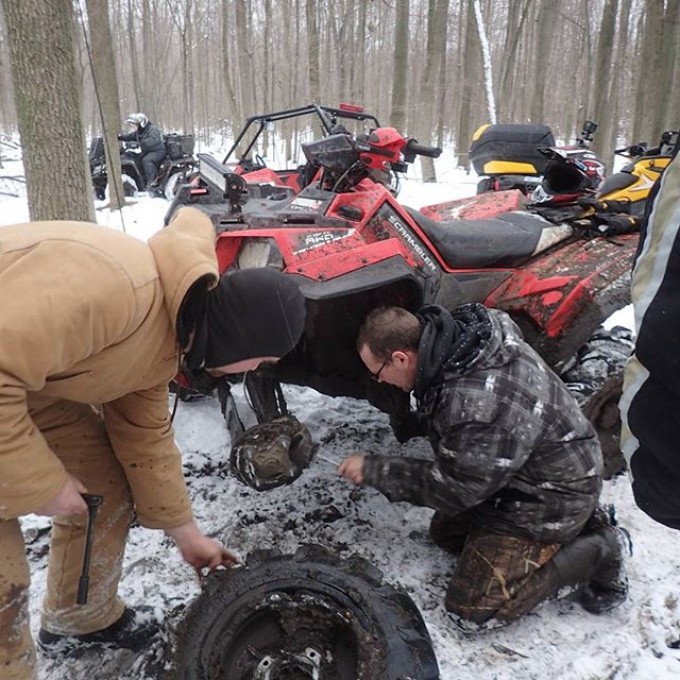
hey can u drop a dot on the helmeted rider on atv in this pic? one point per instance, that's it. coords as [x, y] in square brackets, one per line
[151, 144]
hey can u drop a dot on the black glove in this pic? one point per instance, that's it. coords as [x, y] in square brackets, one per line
[614, 224]
[620, 207]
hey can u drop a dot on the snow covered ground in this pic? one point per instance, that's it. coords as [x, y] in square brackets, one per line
[559, 640]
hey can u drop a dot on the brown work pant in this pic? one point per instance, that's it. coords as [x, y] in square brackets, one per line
[497, 577]
[76, 434]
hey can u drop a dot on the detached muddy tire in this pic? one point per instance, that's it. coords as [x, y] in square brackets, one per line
[307, 615]
[595, 378]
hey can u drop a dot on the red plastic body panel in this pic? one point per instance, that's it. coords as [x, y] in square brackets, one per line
[482, 206]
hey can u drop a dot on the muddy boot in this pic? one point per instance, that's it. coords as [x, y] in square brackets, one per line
[133, 630]
[603, 516]
[597, 563]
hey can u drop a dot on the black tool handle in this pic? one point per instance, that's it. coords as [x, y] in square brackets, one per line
[93, 502]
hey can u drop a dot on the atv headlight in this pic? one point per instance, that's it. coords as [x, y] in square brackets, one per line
[258, 253]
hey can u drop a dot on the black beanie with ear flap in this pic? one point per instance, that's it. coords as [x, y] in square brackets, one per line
[253, 313]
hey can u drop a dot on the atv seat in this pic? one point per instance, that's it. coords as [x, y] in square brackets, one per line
[509, 240]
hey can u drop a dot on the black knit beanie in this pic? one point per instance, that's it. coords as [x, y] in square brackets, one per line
[253, 313]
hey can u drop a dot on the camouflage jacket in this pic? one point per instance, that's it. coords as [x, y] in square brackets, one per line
[511, 446]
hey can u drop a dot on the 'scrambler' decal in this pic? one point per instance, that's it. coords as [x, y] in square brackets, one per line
[412, 242]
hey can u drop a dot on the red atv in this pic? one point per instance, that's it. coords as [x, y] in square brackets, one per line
[255, 156]
[352, 247]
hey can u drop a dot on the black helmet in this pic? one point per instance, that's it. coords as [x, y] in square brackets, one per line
[566, 178]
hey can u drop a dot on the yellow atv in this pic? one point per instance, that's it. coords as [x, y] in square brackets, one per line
[620, 203]
[633, 182]
[509, 156]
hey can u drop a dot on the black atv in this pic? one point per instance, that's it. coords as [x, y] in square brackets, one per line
[176, 168]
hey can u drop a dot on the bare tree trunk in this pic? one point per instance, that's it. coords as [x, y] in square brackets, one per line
[147, 90]
[666, 116]
[134, 61]
[651, 83]
[639, 90]
[244, 53]
[106, 91]
[547, 15]
[48, 106]
[234, 111]
[517, 20]
[471, 50]
[436, 42]
[187, 68]
[313, 51]
[604, 77]
[268, 62]
[400, 69]
[360, 51]
[6, 97]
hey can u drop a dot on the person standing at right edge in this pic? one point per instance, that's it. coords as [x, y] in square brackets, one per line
[651, 397]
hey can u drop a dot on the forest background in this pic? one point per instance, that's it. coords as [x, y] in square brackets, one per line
[435, 69]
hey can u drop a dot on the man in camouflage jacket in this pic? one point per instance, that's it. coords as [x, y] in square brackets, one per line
[517, 469]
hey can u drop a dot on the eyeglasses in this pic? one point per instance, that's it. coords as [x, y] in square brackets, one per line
[376, 376]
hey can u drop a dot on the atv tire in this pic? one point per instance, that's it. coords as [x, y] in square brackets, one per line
[307, 615]
[173, 183]
[130, 187]
[595, 378]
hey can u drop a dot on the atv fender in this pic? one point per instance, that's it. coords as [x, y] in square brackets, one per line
[561, 298]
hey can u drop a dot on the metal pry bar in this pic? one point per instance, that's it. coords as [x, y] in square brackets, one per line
[93, 502]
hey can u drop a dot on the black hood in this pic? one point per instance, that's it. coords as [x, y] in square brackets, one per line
[449, 341]
[250, 313]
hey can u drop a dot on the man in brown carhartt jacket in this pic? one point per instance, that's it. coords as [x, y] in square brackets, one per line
[90, 316]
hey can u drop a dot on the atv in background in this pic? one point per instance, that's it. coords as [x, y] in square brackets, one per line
[618, 206]
[352, 247]
[632, 184]
[260, 157]
[509, 156]
[175, 169]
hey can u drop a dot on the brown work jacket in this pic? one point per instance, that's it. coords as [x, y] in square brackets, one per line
[88, 314]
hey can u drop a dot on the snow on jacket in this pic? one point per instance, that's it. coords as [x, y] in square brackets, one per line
[88, 314]
[511, 446]
[149, 139]
[651, 398]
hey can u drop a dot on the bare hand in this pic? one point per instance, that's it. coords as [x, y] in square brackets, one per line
[200, 551]
[352, 469]
[68, 500]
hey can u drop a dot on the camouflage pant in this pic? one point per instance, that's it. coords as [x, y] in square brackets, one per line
[497, 577]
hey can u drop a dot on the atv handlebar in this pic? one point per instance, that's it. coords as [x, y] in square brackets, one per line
[632, 150]
[413, 148]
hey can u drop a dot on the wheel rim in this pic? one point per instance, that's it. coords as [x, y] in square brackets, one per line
[287, 635]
